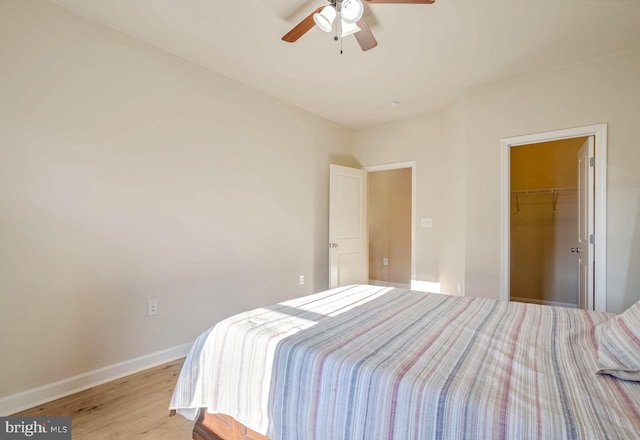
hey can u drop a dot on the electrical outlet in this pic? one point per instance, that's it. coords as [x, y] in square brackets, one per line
[152, 307]
[301, 280]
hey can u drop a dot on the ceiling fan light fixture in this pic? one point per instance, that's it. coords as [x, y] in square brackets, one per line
[349, 28]
[351, 11]
[324, 19]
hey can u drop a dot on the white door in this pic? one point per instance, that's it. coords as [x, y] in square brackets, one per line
[348, 236]
[585, 246]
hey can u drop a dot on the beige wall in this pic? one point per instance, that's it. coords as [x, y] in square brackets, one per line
[545, 164]
[128, 174]
[452, 198]
[544, 227]
[389, 218]
[436, 142]
[466, 167]
[416, 139]
[603, 90]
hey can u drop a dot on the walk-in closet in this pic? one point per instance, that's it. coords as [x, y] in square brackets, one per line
[544, 222]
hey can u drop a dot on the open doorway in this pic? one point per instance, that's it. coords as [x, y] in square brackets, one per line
[390, 224]
[544, 222]
[592, 240]
[349, 245]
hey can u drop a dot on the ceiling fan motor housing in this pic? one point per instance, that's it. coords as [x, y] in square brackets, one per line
[351, 18]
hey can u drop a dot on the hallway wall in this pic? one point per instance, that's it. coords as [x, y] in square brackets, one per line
[390, 225]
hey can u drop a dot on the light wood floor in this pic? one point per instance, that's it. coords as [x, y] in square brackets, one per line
[134, 407]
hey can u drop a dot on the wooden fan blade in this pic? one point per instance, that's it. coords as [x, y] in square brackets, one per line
[301, 28]
[365, 37]
[415, 2]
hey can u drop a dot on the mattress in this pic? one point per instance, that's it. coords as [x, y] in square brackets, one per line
[370, 362]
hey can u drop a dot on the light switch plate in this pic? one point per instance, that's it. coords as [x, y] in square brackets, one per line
[426, 222]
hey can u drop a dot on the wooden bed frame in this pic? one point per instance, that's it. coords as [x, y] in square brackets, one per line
[222, 427]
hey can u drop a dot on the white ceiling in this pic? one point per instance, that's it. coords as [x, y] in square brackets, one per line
[426, 55]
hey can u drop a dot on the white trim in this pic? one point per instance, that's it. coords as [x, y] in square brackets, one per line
[46, 393]
[599, 131]
[389, 284]
[394, 166]
[391, 166]
[544, 302]
[427, 286]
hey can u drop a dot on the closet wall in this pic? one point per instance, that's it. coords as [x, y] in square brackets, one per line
[544, 223]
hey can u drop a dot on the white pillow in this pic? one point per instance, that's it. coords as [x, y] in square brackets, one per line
[619, 345]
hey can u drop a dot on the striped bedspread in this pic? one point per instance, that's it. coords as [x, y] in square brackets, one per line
[374, 363]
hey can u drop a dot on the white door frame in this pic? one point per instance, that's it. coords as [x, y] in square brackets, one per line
[599, 131]
[394, 166]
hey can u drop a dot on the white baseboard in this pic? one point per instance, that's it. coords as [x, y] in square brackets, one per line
[46, 393]
[544, 303]
[389, 284]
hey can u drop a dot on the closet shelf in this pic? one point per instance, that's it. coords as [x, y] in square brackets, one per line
[555, 193]
[544, 191]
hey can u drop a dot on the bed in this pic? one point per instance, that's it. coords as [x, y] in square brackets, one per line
[369, 362]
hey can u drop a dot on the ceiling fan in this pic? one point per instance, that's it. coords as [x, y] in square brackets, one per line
[351, 20]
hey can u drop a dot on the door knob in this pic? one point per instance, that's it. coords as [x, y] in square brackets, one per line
[333, 245]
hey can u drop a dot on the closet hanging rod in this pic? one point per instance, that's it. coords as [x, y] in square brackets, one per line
[544, 191]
